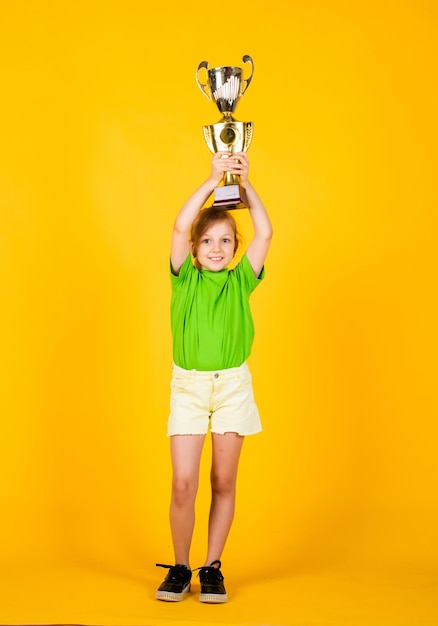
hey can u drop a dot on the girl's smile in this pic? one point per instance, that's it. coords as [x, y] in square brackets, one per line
[216, 247]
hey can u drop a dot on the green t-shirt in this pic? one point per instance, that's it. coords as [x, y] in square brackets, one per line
[212, 325]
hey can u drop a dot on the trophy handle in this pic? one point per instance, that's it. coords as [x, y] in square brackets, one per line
[208, 136]
[246, 59]
[202, 86]
[248, 130]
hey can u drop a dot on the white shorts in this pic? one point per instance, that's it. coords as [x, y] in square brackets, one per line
[222, 400]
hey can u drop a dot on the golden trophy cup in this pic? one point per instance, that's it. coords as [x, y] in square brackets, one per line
[225, 86]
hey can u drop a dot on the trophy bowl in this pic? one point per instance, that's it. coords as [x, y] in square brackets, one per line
[225, 85]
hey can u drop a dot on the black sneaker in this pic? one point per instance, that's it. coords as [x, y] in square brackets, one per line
[212, 584]
[176, 583]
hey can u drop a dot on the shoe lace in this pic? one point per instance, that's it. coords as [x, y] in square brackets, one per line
[176, 573]
[209, 573]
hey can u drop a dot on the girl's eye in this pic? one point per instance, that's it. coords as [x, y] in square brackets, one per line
[206, 241]
[226, 241]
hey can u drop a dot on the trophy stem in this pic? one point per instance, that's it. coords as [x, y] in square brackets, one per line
[227, 117]
[231, 179]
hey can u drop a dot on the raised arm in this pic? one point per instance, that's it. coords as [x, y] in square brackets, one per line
[259, 245]
[180, 236]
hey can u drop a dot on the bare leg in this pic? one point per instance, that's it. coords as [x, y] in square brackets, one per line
[185, 452]
[225, 461]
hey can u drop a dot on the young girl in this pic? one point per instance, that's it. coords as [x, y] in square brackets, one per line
[212, 331]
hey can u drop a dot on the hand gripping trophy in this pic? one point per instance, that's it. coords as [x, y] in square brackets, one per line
[225, 86]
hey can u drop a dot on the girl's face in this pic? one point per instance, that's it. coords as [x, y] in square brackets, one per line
[216, 247]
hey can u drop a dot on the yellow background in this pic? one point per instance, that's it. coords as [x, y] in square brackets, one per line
[101, 142]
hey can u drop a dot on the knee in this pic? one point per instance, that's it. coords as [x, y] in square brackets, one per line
[183, 489]
[222, 485]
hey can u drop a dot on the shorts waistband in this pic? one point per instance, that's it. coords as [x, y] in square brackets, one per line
[230, 372]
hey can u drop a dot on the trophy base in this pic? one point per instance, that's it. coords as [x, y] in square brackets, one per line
[229, 197]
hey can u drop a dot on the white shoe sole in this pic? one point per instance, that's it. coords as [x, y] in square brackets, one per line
[213, 598]
[169, 596]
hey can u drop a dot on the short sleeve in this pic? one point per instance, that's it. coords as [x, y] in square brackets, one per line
[184, 270]
[245, 274]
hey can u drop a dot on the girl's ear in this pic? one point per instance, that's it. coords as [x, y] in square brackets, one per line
[192, 249]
